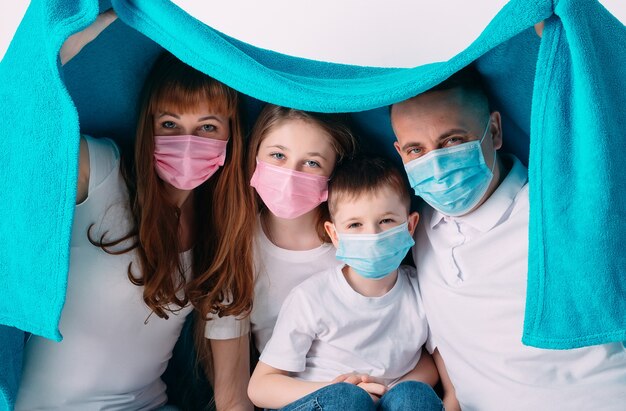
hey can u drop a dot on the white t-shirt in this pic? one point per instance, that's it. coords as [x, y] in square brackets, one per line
[472, 273]
[113, 351]
[277, 272]
[325, 329]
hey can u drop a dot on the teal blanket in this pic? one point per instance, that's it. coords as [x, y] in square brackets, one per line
[562, 99]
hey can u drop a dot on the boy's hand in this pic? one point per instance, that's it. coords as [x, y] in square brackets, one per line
[351, 378]
[374, 389]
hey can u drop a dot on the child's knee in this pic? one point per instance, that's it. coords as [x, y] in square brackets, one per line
[411, 395]
[343, 396]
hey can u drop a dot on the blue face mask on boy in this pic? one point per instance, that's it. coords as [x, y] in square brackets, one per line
[453, 179]
[375, 256]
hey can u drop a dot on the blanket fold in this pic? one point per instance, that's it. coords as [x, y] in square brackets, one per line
[562, 100]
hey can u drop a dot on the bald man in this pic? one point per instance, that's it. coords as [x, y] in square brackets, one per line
[471, 255]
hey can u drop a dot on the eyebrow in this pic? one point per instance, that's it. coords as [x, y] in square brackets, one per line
[166, 113]
[316, 154]
[279, 146]
[444, 135]
[211, 117]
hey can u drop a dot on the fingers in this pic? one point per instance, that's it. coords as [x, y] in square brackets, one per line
[539, 28]
[373, 388]
[351, 378]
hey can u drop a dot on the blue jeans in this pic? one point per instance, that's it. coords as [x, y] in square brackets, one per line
[406, 396]
[410, 396]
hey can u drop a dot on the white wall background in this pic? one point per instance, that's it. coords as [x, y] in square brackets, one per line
[348, 31]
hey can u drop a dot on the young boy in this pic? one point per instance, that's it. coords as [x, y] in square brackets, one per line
[350, 338]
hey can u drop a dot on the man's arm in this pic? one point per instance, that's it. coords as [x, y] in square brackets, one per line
[449, 394]
[424, 371]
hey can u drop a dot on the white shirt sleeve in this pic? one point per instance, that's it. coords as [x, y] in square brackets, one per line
[104, 158]
[293, 334]
[226, 327]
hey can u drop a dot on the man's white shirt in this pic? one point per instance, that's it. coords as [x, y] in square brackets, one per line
[472, 273]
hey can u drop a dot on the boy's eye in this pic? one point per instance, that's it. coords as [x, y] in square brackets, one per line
[278, 156]
[387, 221]
[168, 124]
[354, 225]
[312, 164]
[208, 128]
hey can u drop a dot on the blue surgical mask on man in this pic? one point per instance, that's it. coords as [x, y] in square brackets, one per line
[452, 179]
[375, 256]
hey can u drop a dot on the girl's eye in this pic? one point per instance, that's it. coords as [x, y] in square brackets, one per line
[278, 156]
[354, 225]
[312, 164]
[208, 128]
[168, 124]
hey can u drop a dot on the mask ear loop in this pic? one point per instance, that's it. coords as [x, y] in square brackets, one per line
[493, 165]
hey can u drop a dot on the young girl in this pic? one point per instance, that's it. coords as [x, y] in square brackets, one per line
[291, 156]
[150, 241]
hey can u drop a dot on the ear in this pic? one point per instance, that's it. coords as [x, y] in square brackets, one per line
[496, 130]
[332, 233]
[412, 221]
[397, 146]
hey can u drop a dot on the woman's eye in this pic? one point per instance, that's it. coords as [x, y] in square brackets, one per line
[312, 164]
[278, 156]
[208, 128]
[168, 124]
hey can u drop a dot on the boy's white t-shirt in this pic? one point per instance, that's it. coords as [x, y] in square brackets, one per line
[114, 349]
[326, 329]
[277, 272]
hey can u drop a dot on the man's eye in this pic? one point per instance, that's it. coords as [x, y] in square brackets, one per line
[454, 140]
[278, 156]
[168, 124]
[414, 151]
[209, 128]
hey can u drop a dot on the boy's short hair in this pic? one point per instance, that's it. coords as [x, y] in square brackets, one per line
[365, 175]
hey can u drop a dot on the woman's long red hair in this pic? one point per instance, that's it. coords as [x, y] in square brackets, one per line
[222, 281]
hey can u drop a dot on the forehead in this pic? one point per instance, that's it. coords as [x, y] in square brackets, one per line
[370, 204]
[298, 134]
[434, 110]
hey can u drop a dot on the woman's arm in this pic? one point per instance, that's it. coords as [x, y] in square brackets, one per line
[273, 388]
[83, 172]
[424, 371]
[75, 43]
[449, 394]
[231, 373]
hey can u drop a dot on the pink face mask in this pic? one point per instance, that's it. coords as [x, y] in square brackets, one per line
[288, 193]
[187, 161]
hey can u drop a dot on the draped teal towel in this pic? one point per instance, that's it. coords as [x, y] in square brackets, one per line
[562, 100]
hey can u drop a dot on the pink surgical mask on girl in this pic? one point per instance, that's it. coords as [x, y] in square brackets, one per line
[186, 161]
[288, 193]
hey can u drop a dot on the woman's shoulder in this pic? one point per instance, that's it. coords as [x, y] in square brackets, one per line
[104, 158]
